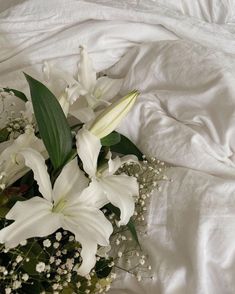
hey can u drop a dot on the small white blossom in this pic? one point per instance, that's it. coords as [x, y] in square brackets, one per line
[71, 238]
[16, 285]
[40, 267]
[47, 243]
[58, 236]
[119, 254]
[23, 243]
[25, 277]
[19, 258]
[56, 245]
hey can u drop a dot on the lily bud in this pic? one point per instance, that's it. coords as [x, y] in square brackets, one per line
[110, 118]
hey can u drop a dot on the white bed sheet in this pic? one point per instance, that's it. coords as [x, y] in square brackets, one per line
[181, 55]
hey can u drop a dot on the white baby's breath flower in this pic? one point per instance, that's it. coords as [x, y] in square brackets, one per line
[58, 236]
[40, 267]
[56, 245]
[47, 243]
[25, 277]
[23, 243]
[16, 285]
[19, 258]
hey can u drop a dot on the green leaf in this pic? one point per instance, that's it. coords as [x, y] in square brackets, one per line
[132, 229]
[4, 134]
[52, 123]
[17, 93]
[35, 254]
[113, 209]
[68, 290]
[102, 268]
[3, 211]
[111, 139]
[125, 146]
[35, 288]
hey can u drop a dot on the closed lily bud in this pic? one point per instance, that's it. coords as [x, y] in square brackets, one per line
[110, 118]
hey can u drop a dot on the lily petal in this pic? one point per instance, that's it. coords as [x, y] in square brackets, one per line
[33, 218]
[93, 196]
[107, 88]
[51, 71]
[88, 222]
[14, 170]
[90, 228]
[74, 92]
[88, 148]
[117, 162]
[86, 73]
[64, 103]
[88, 254]
[70, 183]
[81, 111]
[36, 162]
[120, 190]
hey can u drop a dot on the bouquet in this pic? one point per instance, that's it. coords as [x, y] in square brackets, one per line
[73, 190]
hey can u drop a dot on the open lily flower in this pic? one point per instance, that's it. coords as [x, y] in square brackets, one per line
[118, 189]
[70, 205]
[12, 169]
[83, 96]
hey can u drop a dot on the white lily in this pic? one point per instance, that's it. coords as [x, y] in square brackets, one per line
[110, 118]
[69, 205]
[83, 96]
[118, 189]
[10, 168]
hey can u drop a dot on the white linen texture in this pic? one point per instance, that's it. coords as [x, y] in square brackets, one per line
[181, 56]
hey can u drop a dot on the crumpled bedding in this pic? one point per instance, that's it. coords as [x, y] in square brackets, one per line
[181, 56]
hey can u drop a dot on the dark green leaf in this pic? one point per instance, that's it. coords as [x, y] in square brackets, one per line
[17, 93]
[132, 229]
[111, 139]
[125, 146]
[14, 199]
[35, 254]
[4, 134]
[113, 209]
[35, 288]
[102, 156]
[52, 123]
[3, 211]
[102, 268]
[7, 203]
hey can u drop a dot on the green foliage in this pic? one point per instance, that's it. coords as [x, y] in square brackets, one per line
[125, 146]
[4, 135]
[102, 268]
[111, 139]
[132, 229]
[17, 93]
[8, 198]
[52, 123]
